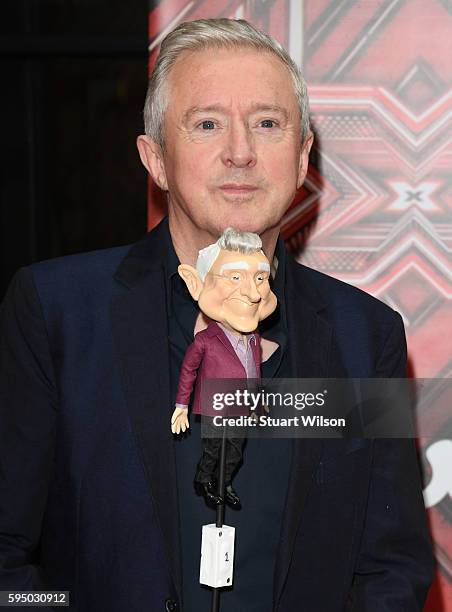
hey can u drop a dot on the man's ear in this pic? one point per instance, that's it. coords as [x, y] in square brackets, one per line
[304, 159]
[191, 278]
[151, 156]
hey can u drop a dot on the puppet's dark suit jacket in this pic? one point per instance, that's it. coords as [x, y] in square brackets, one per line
[88, 496]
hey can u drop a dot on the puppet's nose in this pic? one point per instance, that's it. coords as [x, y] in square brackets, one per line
[249, 290]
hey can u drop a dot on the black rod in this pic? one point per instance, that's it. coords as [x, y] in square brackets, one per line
[220, 509]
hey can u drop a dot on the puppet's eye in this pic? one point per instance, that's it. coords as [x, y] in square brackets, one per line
[235, 276]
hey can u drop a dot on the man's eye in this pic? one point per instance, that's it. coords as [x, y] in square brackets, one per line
[268, 123]
[208, 125]
[235, 277]
[260, 278]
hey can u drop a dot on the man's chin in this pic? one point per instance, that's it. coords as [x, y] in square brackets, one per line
[249, 220]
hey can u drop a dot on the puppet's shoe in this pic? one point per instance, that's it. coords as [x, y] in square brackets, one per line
[207, 491]
[232, 499]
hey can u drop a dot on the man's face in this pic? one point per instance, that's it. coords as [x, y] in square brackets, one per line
[232, 140]
[236, 291]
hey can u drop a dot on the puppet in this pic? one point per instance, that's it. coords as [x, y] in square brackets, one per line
[231, 285]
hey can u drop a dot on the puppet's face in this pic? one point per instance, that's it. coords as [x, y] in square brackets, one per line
[236, 291]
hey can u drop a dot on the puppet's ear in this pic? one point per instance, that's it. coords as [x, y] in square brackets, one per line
[191, 279]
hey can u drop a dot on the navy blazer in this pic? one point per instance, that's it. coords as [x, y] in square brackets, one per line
[88, 499]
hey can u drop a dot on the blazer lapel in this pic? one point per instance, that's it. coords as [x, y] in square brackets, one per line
[215, 330]
[139, 324]
[312, 355]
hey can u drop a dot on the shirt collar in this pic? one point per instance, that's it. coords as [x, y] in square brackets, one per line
[172, 278]
[234, 339]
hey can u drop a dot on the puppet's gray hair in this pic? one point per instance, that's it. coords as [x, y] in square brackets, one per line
[243, 242]
[230, 240]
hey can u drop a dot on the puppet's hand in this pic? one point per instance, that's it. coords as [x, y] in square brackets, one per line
[179, 420]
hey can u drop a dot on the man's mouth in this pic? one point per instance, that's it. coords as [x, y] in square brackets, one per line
[238, 188]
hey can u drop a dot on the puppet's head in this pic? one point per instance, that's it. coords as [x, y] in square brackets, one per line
[231, 281]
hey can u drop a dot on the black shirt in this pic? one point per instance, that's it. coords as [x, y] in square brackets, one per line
[261, 482]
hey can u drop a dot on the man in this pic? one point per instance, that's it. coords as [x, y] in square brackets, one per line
[96, 495]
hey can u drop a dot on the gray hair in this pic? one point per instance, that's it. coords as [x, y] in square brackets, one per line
[219, 34]
[230, 240]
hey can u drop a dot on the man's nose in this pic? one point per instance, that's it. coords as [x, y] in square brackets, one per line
[239, 150]
[249, 290]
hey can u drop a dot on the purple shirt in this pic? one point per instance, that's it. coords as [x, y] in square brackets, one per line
[244, 353]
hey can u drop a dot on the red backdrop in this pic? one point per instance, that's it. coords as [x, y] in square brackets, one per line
[375, 207]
